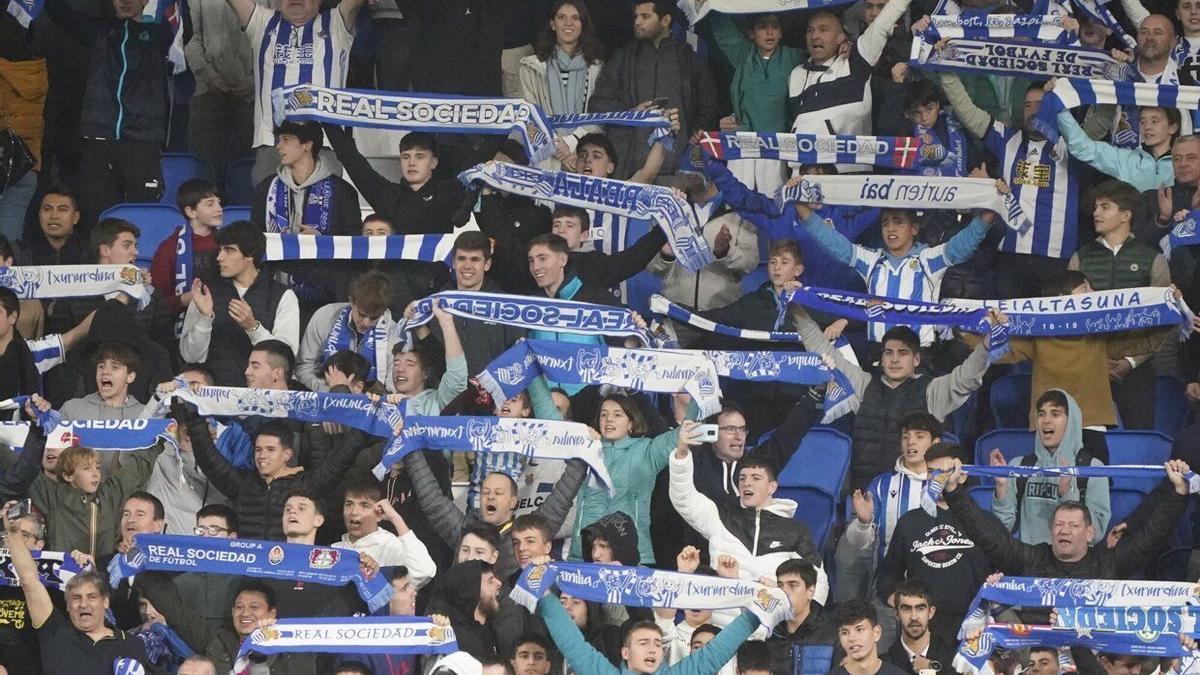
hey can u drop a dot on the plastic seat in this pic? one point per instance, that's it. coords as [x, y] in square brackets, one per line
[156, 221]
[982, 494]
[238, 189]
[1011, 442]
[1122, 501]
[177, 168]
[1010, 401]
[233, 214]
[1137, 447]
[753, 280]
[1170, 405]
[814, 479]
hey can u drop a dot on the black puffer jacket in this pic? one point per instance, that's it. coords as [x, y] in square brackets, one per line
[619, 530]
[259, 504]
[456, 598]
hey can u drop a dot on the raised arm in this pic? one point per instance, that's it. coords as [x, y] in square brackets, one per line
[975, 119]
[582, 657]
[243, 9]
[1135, 11]
[946, 393]
[444, 516]
[378, 190]
[783, 443]
[815, 341]
[562, 498]
[624, 264]
[721, 649]
[875, 37]
[1143, 544]
[37, 598]
[16, 481]
[220, 471]
[696, 509]
[1005, 552]
[454, 381]
[966, 241]
[324, 478]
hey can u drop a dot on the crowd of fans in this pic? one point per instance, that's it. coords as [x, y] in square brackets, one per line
[89, 89]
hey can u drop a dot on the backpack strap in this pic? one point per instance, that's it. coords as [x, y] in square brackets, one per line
[1082, 458]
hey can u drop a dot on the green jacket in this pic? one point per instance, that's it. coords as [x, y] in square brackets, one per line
[584, 658]
[89, 523]
[759, 90]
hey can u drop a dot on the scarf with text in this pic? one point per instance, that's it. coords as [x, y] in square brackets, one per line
[632, 200]
[661, 371]
[1045, 28]
[372, 345]
[533, 438]
[908, 192]
[317, 209]
[974, 653]
[55, 569]
[1003, 57]
[892, 151]
[523, 311]
[942, 155]
[1068, 94]
[419, 112]
[652, 118]
[644, 587]
[695, 10]
[349, 635]
[96, 434]
[252, 558]
[423, 247]
[352, 410]
[934, 488]
[185, 270]
[1097, 12]
[53, 282]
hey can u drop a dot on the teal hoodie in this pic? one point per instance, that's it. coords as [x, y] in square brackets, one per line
[1041, 493]
[760, 86]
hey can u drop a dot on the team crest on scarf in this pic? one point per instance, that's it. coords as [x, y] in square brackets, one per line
[275, 556]
[809, 192]
[23, 282]
[323, 558]
[439, 635]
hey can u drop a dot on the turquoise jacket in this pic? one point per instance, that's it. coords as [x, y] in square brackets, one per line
[759, 89]
[633, 464]
[1136, 167]
[567, 292]
[584, 658]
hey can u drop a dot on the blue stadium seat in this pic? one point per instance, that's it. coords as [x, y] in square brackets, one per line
[177, 168]
[235, 213]
[1010, 401]
[1137, 447]
[156, 221]
[1123, 501]
[814, 479]
[1170, 405]
[958, 423]
[982, 494]
[1012, 442]
[238, 189]
[753, 280]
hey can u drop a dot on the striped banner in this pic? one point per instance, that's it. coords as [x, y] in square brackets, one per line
[426, 247]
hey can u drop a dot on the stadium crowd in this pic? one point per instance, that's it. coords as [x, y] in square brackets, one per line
[863, 523]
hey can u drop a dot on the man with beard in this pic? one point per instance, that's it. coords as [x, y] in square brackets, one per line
[1185, 52]
[919, 649]
[469, 595]
[1044, 178]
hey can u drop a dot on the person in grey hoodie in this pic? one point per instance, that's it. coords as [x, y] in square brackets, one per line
[1057, 441]
[306, 196]
[117, 366]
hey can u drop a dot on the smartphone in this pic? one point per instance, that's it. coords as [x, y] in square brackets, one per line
[20, 509]
[661, 103]
[706, 433]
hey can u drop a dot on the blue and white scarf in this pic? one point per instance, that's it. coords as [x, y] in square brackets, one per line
[644, 587]
[1097, 12]
[1149, 618]
[1068, 94]
[352, 410]
[632, 200]
[170, 12]
[25, 11]
[52, 282]
[1045, 28]
[185, 270]
[424, 247]
[1185, 231]
[349, 635]
[419, 112]
[661, 371]
[317, 209]
[1004, 57]
[893, 151]
[975, 653]
[695, 10]
[123, 665]
[55, 569]
[96, 434]
[652, 118]
[938, 155]
[252, 558]
[372, 346]
[908, 192]
[533, 438]
[934, 488]
[522, 311]
[663, 307]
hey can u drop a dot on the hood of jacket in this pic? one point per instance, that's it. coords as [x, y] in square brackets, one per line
[909, 473]
[1072, 440]
[619, 530]
[458, 589]
[319, 173]
[781, 507]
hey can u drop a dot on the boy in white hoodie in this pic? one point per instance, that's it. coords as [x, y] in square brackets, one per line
[362, 508]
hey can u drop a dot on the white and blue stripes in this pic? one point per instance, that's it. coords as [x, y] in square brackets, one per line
[895, 493]
[1044, 179]
[1046, 28]
[425, 247]
[1074, 93]
[25, 11]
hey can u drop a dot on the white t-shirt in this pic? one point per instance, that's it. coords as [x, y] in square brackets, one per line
[286, 55]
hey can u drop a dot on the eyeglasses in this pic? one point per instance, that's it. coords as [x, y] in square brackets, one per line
[734, 430]
[209, 530]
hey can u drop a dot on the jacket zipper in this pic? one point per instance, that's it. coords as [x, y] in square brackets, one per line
[757, 522]
[92, 528]
[121, 80]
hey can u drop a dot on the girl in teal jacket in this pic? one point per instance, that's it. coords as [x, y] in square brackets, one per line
[633, 462]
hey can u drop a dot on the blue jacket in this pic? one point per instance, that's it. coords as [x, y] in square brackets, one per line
[1136, 167]
[584, 658]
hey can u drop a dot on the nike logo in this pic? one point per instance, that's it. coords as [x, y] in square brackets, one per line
[428, 198]
[775, 544]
